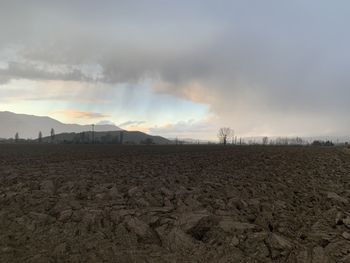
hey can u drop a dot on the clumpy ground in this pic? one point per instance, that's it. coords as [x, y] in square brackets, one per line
[96, 203]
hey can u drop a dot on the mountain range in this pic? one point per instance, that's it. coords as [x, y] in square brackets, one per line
[28, 126]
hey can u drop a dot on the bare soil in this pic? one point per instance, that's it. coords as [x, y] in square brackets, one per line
[95, 203]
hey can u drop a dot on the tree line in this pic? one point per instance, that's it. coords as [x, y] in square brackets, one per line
[39, 139]
[226, 136]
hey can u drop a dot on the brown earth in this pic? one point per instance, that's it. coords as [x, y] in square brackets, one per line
[95, 203]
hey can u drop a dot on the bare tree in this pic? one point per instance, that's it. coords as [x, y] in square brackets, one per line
[224, 134]
[52, 135]
[40, 137]
[299, 141]
[265, 140]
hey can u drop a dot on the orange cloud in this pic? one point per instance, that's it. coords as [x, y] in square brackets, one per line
[74, 114]
[193, 91]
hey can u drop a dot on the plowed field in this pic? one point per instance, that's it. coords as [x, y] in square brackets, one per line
[96, 203]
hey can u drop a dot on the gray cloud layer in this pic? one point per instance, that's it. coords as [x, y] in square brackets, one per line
[16, 70]
[257, 63]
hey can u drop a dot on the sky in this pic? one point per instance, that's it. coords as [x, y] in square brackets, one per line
[180, 68]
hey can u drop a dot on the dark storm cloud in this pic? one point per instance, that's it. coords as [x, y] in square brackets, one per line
[250, 56]
[17, 70]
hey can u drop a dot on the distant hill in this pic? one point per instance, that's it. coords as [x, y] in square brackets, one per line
[115, 137]
[28, 126]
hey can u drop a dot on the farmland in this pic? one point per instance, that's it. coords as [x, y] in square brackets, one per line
[112, 203]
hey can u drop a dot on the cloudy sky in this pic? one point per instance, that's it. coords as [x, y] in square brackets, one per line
[180, 68]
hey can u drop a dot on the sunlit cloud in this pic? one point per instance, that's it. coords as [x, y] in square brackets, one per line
[129, 123]
[191, 129]
[75, 114]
